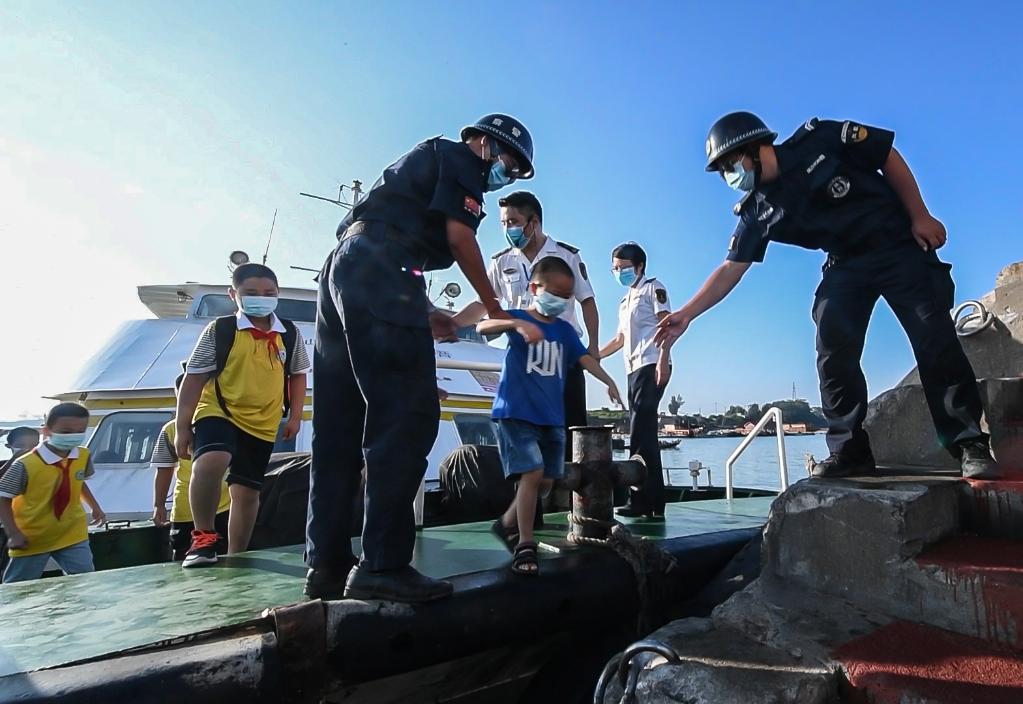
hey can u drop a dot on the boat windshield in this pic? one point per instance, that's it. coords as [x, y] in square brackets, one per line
[127, 437]
[214, 305]
[475, 429]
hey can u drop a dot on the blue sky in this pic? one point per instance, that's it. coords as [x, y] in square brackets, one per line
[141, 142]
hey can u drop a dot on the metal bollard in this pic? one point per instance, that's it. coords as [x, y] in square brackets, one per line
[694, 471]
[592, 476]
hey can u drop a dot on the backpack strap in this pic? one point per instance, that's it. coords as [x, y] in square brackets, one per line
[290, 341]
[224, 329]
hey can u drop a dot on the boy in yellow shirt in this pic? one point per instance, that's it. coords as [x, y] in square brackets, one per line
[41, 497]
[246, 370]
[165, 461]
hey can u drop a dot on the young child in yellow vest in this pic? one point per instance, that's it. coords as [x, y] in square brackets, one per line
[228, 417]
[41, 497]
[169, 468]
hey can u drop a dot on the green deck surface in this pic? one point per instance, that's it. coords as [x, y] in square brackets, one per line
[52, 622]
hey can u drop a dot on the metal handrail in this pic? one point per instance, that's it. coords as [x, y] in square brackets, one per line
[783, 467]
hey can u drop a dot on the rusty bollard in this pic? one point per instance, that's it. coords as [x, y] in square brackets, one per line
[592, 476]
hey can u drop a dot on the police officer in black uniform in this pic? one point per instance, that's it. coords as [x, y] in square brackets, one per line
[375, 401]
[843, 188]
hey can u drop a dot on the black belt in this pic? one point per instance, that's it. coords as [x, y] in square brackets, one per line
[867, 245]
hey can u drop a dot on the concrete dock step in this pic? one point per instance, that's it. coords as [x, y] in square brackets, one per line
[993, 508]
[980, 577]
[913, 663]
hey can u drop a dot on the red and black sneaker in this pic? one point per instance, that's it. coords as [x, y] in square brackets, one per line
[203, 550]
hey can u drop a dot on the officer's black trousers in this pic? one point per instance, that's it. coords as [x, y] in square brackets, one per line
[575, 404]
[644, 399]
[374, 404]
[919, 289]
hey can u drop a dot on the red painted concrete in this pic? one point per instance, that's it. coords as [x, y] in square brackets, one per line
[933, 665]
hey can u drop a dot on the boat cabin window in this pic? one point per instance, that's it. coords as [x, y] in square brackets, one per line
[215, 305]
[475, 429]
[127, 437]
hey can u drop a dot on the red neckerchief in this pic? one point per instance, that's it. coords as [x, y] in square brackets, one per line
[62, 496]
[271, 341]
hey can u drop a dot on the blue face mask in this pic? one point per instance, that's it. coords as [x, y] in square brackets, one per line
[498, 176]
[258, 306]
[549, 304]
[516, 237]
[739, 178]
[66, 441]
[626, 276]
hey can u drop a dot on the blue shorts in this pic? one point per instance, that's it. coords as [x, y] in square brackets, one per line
[526, 447]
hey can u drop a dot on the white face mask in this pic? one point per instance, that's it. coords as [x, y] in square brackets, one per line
[739, 179]
[66, 441]
[258, 306]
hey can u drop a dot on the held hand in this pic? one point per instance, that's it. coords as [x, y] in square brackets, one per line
[292, 427]
[443, 327]
[442, 394]
[530, 332]
[160, 516]
[183, 444]
[98, 517]
[612, 393]
[18, 541]
[594, 351]
[670, 329]
[929, 232]
[663, 372]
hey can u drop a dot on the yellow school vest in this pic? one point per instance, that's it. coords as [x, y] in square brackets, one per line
[33, 510]
[252, 384]
[181, 510]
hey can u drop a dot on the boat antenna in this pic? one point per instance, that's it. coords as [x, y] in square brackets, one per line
[269, 239]
[355, 188]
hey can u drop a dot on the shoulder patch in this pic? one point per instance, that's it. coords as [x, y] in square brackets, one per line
[582, 269]
[853, 132]
[502, 253]
[473, 206]
[662, 295]
[570, 248]
[732, 243]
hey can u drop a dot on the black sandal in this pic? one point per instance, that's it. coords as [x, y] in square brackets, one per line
[508, 536]
[525, 560]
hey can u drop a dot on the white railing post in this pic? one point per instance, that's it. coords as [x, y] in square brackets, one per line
[783, 467]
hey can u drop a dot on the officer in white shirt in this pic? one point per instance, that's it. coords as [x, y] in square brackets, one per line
[649, 369]
[510, 271]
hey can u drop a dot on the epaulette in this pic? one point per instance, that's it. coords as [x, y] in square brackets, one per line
[737, 208]
[570, 248]
[502, 253]
[804, 129]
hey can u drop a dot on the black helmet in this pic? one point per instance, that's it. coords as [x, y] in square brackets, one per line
[732, 131]
[512, 133]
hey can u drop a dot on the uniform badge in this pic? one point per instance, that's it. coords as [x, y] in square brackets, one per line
[472, 205]
[582, 270]
[852, 133]
[80, 475]
[282, 355]
[838, 187]
[732, 243]
[510, 270]
[768, 212]
[662, 295]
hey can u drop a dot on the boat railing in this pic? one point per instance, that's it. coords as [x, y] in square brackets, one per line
[469, 366]
[772, 413]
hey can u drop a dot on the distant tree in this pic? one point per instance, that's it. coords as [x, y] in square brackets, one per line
[736, 411]
[753, 413]
[675, 404]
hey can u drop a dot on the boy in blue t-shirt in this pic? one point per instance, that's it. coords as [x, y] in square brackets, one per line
[529, 406]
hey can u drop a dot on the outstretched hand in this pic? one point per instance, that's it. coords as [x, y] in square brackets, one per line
[443, 327]
[670, 329]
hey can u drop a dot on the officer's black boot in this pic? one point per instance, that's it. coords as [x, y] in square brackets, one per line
[976, 460]
[840, 464]
[405, 585]
[323, 583]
